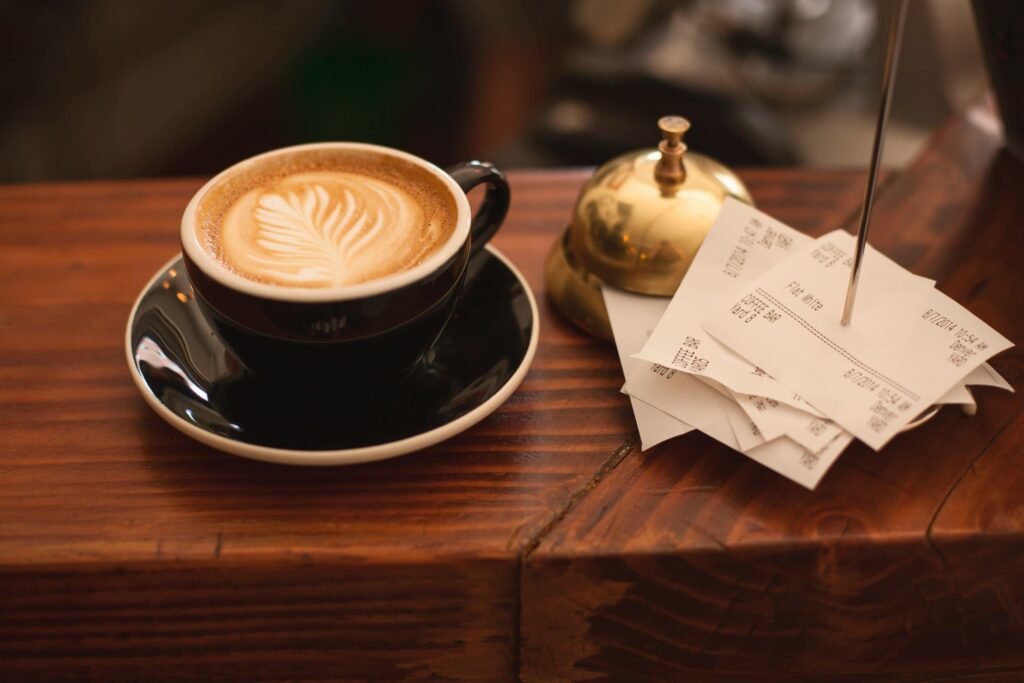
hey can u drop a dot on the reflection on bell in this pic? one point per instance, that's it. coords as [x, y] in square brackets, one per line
[637, 225]
[576, 292]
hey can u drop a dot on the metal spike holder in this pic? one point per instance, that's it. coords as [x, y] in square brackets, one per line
[892, 56]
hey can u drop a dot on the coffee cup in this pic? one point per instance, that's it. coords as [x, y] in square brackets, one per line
[335, 261]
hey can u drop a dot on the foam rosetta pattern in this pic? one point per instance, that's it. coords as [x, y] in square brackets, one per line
[325, 229]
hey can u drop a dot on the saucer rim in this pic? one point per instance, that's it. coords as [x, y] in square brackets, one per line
[345, 456]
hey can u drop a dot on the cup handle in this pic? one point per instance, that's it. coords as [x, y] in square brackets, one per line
[492, 211]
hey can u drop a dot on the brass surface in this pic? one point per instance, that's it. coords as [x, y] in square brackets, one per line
[632, 236]
[637, 225]
[575, 293]
[670, 171]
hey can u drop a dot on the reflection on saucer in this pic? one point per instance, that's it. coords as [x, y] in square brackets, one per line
[196, 384]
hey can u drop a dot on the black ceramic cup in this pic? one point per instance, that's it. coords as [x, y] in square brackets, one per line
[353, 334]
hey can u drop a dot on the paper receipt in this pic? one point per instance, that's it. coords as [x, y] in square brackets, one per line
[908, 343]
[632, 317]
[742, 244]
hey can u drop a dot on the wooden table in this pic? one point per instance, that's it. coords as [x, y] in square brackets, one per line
[541, 543]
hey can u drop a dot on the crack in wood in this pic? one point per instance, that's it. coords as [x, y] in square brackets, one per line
[606, 468]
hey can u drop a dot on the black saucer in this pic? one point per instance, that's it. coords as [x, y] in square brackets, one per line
[187, 375]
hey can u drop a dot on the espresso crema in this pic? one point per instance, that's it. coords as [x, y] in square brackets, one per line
[326, 218]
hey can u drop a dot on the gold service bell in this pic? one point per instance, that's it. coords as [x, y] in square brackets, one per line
[637, 225]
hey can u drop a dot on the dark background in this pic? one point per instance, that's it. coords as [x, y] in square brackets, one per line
[114, 89]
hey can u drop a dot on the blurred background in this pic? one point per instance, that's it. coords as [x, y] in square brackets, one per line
[115, 88]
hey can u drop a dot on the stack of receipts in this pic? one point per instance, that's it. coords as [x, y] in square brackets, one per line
[751, 352]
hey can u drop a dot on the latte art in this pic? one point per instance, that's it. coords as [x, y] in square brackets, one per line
[327, 228]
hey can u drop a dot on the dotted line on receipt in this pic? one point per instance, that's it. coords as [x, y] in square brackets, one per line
[837, 348]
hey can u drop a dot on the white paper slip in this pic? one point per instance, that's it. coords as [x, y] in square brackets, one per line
[685, 398]
[986, 376]
[982, 376]
[772, 418]
[748, 434]
[958, 395]
[655, 426]
[632, 317]
[816, 433]
[742, 243]
[693, 401]
[908, 343]
[799, 464]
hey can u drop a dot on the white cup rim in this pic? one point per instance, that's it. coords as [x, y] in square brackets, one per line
[205, 261]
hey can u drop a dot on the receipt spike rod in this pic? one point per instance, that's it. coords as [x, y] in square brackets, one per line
[891, 58]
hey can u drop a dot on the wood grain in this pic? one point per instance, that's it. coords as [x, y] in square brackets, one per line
[129, 552]
[126, 547]
[691, 562]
